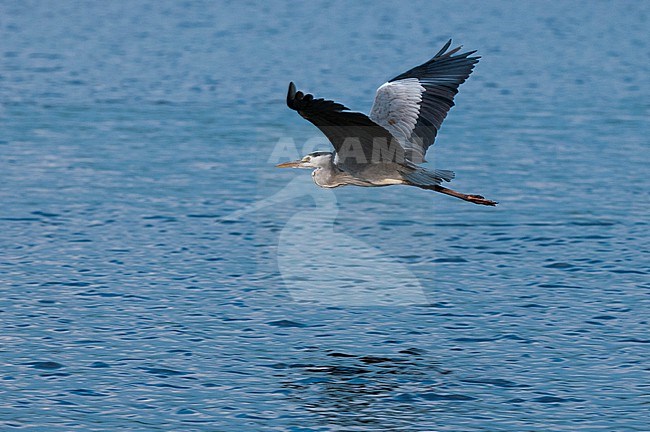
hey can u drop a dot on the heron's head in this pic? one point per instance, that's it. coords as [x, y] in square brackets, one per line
[312, 160]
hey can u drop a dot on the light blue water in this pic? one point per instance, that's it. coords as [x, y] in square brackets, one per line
[129, 130]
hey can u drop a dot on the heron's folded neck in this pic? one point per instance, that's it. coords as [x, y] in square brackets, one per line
[324, 177]
[328, 175]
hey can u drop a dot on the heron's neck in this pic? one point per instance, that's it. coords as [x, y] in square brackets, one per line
[327, 175]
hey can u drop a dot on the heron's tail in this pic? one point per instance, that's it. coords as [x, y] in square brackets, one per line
[422, 177]
[446, 175]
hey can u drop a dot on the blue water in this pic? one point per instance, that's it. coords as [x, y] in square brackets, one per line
[132, 298]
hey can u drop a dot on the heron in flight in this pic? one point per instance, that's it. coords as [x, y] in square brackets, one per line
[386, 147]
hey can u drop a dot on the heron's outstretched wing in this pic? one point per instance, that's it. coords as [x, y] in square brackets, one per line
[355, 137]
[413, 105]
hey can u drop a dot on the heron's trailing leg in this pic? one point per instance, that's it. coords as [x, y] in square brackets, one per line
[476, 199]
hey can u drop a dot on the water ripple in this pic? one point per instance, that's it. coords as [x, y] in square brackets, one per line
[131, 301]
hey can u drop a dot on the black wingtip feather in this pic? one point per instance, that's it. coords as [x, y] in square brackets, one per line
[305, 103]
[444, 48]
[442, 60]
[291, 94]
[443, 53]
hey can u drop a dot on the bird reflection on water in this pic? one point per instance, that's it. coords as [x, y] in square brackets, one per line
[350, 385]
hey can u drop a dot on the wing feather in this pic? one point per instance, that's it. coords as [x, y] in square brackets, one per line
[342, 127]
[413, 105]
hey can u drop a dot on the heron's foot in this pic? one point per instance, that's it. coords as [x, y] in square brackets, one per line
[480, 199]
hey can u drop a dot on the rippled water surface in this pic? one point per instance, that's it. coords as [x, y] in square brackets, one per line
[158, 273]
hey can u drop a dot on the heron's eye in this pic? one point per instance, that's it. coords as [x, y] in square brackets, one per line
[306, 159]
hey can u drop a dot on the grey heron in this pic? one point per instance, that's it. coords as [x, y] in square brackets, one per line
[386, 147]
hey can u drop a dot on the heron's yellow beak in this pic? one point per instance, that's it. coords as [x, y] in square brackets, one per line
[293, 164]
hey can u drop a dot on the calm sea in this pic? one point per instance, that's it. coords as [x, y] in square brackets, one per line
[157, 273]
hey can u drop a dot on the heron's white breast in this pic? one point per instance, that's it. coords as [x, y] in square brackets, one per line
[388, 181]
